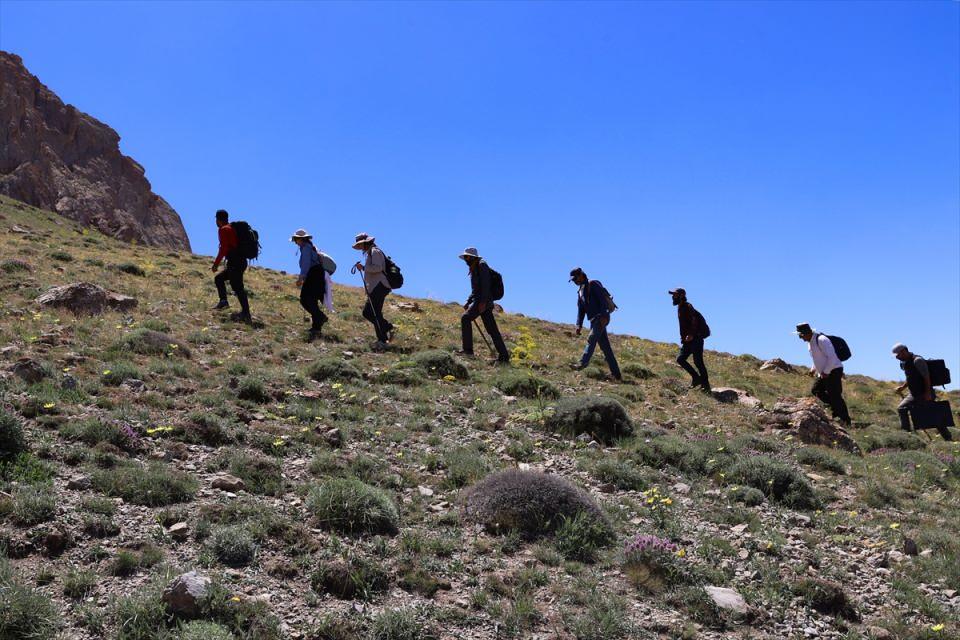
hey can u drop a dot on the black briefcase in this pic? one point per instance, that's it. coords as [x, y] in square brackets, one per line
[931, 415]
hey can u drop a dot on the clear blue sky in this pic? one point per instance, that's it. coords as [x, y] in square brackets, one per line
[784, 162]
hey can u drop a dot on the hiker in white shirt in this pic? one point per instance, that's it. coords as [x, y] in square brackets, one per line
[828, 370]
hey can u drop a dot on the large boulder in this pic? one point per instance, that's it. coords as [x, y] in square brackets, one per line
[809, 423]
[29, 370]
[184, 596]
[85, 298]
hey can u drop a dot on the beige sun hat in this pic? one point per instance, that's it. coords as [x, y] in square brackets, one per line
[469, 252]
[300, 234]
[362, 239]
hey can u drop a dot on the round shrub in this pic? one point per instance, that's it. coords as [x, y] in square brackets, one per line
[826, 597]
[438, 364]
[153, 343]
[349, 506]
[115, 374]
[253, 390]
[637, 371]
[526, 385]
[775, 479]
[233, 545]
[527, 502]
[604, 419]
[332, 369]
[12, 442]
[403, 376]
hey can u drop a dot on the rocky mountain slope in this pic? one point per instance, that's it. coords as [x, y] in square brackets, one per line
[58, 158]
[166, 473]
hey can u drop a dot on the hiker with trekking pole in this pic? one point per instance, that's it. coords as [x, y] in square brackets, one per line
[314, 281]
[486, 286]
[595, 304]
[377, 271]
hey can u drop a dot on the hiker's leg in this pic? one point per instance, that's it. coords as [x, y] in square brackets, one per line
[377, 297]
[310, 300]
[819, 390]
[702, 375]
[945, 433]
[685, 352]
[490, 323]
[603, 339]
[220, 280]
[903, 410]
[837, 404]
[236, 267]
[590, 347]
[466, 327]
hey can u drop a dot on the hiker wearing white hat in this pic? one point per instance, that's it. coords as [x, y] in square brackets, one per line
[312, 282]
[376, 285]
[486, 286]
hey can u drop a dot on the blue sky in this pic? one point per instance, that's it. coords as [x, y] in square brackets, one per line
[784, 162]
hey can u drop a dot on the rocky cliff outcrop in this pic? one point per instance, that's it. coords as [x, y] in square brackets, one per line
[56, 157]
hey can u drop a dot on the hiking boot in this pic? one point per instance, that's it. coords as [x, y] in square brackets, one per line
[390, 333]
[379, 346]
[313, 334]
[501, 362]
[578, 366]
[694, 384]
[241, 317]
[223, 304]
[465, 354]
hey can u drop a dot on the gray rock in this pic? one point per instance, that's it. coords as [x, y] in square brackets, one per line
[228, 483]
[184, 595]
[29, 370]
[137, 386]
[776, 364]
[728, 599]
[179, 531]
[85, 298]
[735, 396]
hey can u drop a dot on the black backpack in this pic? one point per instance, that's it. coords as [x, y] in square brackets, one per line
[702, 323]
[248, 240]
[392, 272]
[496, 285]
[841, 348]
[608, 302]
[939, 374]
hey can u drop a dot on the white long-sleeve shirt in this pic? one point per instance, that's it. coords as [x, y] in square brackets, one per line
[824, 355]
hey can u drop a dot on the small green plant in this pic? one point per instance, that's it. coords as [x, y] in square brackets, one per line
[526, 385]
[151, 486]
[78, 583]
[777, 480]
[259, 473]
[820, 459]
[25, 614]
[653, 563]
[113, 375]
[637, 371]
[12, 442]
[349, 506]
[30, 505]
[332, 369]
[253, 390]
[61, 256]
[353, 578]
[400, 624]
[826, 597]
[203, 630]
[232, 545]
[464, 465]
[581, 537]
[130, 268]
[15, 266]
[438, 364]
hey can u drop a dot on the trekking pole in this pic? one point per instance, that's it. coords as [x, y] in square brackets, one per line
[376, 318]
[482, 335]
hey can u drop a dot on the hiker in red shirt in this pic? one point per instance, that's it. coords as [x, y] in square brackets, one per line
[236, 265]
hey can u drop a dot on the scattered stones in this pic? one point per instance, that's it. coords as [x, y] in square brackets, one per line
[426, 492]
[134, 385]
[777, 364]
[184, 595]
[85, 298]
[226, 482]
[29, 370]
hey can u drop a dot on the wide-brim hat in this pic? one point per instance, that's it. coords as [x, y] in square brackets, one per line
[362, 239]
[300, 234]
[803, 329]
[679, 290]
[470, 252]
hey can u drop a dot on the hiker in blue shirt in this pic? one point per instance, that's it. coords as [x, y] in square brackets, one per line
[312, 282]
[595, 304]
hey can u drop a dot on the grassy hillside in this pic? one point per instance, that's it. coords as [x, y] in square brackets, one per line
[358, 516]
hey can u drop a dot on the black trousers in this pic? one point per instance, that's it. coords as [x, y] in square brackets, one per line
[694, 348]
[312, 290]
[373, 311]
[829, 390]
[234, 274]
[489, 323]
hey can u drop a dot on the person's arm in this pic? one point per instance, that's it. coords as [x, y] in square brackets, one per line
[225, 234]
[924, 370]
[305, 263]
[581, 311]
